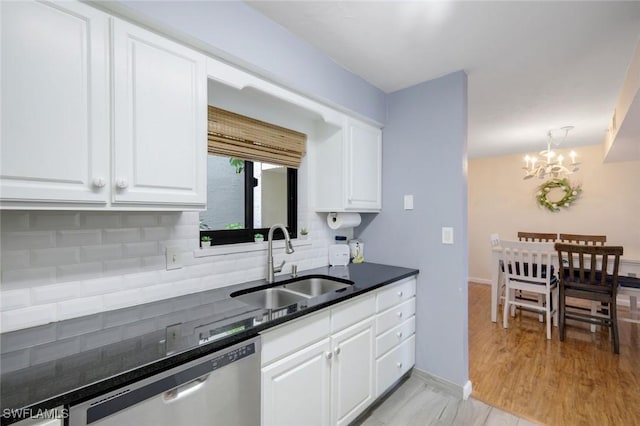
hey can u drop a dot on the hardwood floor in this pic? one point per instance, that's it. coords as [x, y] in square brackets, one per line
[576, 382]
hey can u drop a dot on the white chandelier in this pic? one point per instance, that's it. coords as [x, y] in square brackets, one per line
[551, 164]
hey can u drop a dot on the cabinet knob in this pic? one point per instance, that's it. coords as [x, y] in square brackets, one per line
[329, 355]
[337, 351]
[400, 294]
[99, 182]
[399, 314]
[399, 364]
[122, 183]
[399, 334]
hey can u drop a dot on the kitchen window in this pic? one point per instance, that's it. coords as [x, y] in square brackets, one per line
[252, 178]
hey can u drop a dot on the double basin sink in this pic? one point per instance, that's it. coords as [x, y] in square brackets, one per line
[291, 292]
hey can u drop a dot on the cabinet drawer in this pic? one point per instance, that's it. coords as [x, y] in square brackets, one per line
[395, 316]
[391, 366]
[397, 293]
[295, 335]
[352, 311]
[393, 337]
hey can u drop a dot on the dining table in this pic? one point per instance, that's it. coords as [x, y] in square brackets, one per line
[627, 286]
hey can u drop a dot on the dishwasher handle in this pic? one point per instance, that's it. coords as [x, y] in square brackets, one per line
[184, 390]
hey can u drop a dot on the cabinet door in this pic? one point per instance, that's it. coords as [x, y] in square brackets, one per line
[160, 120]
[352, 374]
[295, 390]
[55, 105]
[364, 167]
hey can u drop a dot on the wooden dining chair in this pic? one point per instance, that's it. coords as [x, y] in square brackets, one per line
[589, 273]
[537, 236]
[528, 267]
[583, 239]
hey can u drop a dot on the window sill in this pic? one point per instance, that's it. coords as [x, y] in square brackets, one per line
[246, 248]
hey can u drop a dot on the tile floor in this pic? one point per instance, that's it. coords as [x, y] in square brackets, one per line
[415, 402]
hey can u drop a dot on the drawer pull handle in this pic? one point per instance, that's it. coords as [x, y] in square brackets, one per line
[399, 334]
[399, 365]
[399, 314]
[329, 355]
[337, 351]
[122, 183]
[400, 294]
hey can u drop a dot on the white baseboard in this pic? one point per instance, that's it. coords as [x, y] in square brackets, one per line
[479, 280]
[445, 385]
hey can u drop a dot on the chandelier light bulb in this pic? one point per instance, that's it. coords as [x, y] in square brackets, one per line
[551, 163]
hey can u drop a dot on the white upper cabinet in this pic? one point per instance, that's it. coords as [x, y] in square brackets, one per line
[160, 119]
[349, 168]
[55, 103]
[62, 96]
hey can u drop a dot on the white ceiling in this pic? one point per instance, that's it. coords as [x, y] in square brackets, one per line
[531, 66]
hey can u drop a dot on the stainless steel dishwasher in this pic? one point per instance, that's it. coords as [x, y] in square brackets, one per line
[222, 388]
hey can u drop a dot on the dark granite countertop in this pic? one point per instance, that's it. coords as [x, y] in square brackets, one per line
[71, 361]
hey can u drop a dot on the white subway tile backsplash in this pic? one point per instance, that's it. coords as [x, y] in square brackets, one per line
[15, 259]
[101, 252]
[151, 263]
[60, 265]
[155, 233]
[105, 285]
[74, 238]
[139, 219]
[30, 276]
[79, 306]
[101, 220]
[122, 299]
[27, 317]
[56, 292]
[15, 299]
[141, 249]
[14, 220]
[169, 219]
[54, 220]
[80, 271]
[122, 266]
[122, 235]
[158, 292]
[27, 239]
[55, 256]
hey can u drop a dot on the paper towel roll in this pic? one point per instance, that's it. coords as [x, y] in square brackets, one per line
[343, 220]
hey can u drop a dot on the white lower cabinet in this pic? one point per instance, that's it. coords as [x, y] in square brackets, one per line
[395, 330]
[328, 367]
[295, 390]
[352, 372]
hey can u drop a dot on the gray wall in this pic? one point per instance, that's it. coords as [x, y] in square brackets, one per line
[239, 33]
[424, 153]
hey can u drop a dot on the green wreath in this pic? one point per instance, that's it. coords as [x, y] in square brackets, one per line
[570, 194]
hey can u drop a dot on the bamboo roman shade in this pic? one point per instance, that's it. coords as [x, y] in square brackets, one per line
[234, 135]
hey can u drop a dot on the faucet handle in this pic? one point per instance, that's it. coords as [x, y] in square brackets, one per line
[279, 268]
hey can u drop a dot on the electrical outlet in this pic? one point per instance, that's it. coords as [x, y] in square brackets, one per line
[174, 258]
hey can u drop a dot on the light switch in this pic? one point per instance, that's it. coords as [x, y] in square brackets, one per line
[174, 258]
[408, 202]
[447, 235]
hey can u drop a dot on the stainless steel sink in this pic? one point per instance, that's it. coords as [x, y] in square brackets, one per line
[271, 298]
[315, 286]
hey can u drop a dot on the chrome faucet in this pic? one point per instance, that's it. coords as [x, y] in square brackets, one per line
[271, 270]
